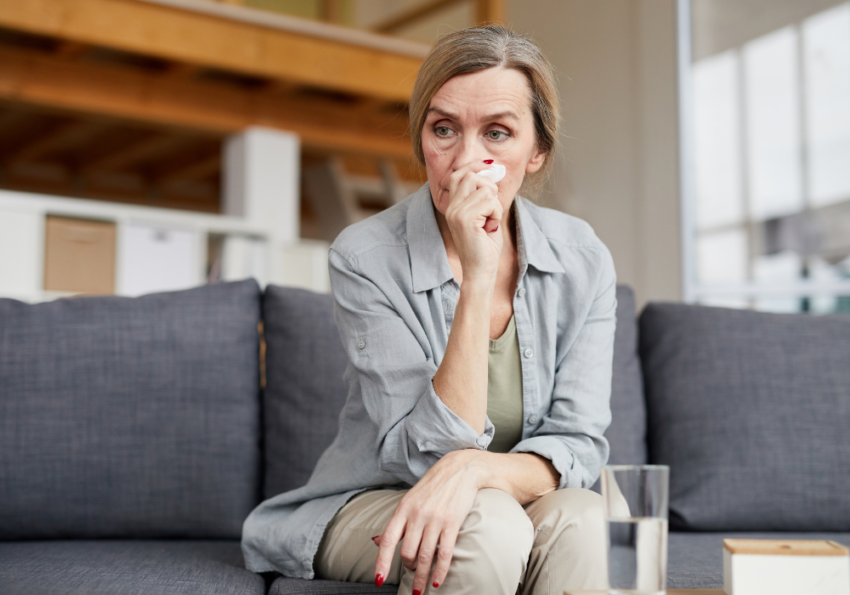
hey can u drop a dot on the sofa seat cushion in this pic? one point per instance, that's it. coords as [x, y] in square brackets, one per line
[106, 567]
[750, 410]
[695, 560]
[130, 417]
[297, 586]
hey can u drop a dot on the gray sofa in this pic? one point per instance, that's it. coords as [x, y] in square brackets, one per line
[135, 436]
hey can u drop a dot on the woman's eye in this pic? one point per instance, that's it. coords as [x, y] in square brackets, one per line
[442, 130]
[497, 134]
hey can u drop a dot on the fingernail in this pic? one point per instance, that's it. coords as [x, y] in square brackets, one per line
[436, 584]
[488, 161]
[379, 580]
[417, 592]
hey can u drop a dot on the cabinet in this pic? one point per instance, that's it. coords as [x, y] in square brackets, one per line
[21, 252]
[158, 258]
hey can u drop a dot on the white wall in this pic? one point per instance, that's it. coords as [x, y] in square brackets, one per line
[618, 164]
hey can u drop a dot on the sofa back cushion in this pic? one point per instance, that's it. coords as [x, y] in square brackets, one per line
[751, 411]
[627, 433]
[130, 417]
[305, 391]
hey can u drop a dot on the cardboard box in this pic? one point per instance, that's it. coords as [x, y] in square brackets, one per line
[756, 567]
[79, 256]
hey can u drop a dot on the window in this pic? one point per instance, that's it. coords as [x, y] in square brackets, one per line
[766, 145]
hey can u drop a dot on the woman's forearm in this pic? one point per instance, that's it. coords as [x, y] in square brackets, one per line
[524, 476]
[461, 380]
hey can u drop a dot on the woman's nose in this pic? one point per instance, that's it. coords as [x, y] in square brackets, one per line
[470, 151]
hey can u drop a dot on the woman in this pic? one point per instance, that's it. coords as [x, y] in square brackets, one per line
[479, 329]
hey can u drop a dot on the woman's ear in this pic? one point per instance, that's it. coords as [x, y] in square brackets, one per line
[536, 162]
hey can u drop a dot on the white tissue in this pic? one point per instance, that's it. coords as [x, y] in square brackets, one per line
[496, 172]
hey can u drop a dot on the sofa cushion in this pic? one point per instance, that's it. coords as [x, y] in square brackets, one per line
[140, 567]
[627, 433]
[751, 411]
[304, 391]
[695, 560]
[130, 417]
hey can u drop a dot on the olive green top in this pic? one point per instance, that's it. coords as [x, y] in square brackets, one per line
[504, 390]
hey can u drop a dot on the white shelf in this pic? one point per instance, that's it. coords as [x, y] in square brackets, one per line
[302, 263]
[123, 213]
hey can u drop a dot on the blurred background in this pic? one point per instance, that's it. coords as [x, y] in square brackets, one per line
[150, 145]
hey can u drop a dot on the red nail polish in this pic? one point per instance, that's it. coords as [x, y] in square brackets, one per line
[436, 584]
[379, 580]
[488, 161]
[417, 592]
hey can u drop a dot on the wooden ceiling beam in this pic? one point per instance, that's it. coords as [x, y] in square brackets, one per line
[197, 105]
[133, 153]
[192, 170]
[182, 70]
[70, 50]
[10, 117]
[329, 59]
[60, 137]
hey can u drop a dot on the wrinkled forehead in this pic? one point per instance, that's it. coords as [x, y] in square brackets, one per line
[493, 93]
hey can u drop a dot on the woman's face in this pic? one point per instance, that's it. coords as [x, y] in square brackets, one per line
[475, 117]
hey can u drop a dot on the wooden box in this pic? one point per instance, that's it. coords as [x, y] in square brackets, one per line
[79, 256]
[756, 567]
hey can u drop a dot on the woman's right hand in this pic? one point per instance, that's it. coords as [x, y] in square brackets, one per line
[473, 216]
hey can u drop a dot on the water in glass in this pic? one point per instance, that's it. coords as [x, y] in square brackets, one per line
[637, 556]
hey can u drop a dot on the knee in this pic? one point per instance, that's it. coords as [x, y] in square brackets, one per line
[500, 524]
[580, 513]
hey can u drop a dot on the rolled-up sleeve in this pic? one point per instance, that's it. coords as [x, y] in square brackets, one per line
[571, 435]
[391, 366]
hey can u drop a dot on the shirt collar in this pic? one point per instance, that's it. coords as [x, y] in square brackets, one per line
[428, 260]
[532, 246]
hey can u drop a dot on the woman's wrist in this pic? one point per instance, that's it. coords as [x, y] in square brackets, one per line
[478, 286]
[524, 476]
[481, 468]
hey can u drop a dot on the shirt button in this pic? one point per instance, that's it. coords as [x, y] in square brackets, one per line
[528, 353]
[361, 344]
[521, 291]
[532, 420]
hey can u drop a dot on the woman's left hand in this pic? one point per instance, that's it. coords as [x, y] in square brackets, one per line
[431, 513]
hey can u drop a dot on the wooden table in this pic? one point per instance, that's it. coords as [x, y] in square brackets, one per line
[669, 592]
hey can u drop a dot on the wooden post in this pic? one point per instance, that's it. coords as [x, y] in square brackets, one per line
[331, 11]
[489, 12]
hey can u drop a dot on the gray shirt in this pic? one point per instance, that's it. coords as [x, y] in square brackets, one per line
[394, 302]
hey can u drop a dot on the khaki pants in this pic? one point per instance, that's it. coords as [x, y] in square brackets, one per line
[555, 543]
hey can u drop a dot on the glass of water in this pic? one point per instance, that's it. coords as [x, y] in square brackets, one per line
[636, 498]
